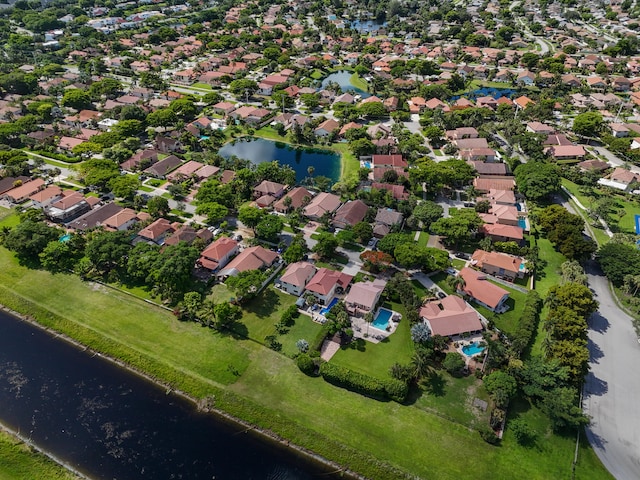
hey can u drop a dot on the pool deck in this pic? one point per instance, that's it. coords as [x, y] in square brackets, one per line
[362, 329]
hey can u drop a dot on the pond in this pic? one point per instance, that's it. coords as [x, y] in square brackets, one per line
[487, 92]
[343, 78]
[367, 26]
[258, 150]
[108, 423]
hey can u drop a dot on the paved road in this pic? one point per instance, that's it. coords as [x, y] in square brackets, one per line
[612, 159]
[612, 387]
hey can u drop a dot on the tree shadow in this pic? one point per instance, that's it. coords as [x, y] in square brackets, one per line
[358, 344]
[595, 386]
[435, 384]
[264, 305]
[594, 350]
[236, 330]
[598, 323]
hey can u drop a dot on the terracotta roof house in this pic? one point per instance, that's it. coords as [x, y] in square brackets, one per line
[621, 179]
[296, 276]
[350, 213]
[321, 204]
[566, 152]
[468, 143]
[539, 127]
[388, 161]
[157, 231]
[22, 192]
[326, 128]
[275, 190]
[206, 171]
[450, 317]
[218, 254]
[397, 191]
[508, 267]
[252, 258]
[502, 233]
[95, 217]
[188, 234]
[138, 158]
[185, 170]
[364, 297]
[502, 214]
[523, 102]
[298, 197]
[461, 132]
[161, 168]
[593, 165]
[326, 283]
[122, 220]
[7, 183]
[482, 291]
[493, 182]
[45, 197]
[70, 205]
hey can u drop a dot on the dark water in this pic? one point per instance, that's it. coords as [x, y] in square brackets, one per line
[111, 424]
[343, 78]
[258, 150]
[367, 26]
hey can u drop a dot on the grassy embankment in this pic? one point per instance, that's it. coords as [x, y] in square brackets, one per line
[378, 439]
[18, 461]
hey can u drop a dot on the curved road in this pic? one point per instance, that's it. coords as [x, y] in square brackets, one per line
[612, 387]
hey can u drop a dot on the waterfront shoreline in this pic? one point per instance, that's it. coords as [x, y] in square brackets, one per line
[203, 405]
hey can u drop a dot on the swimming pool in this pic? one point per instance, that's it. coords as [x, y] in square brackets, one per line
[473, 349]
[522, 223]
[326, 309]
[381, 322]
[65, 238]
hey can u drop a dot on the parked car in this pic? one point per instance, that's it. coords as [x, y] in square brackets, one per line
[463, 255]
[451, 271]
[441, 295]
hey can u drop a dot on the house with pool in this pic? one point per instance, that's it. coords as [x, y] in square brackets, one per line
[451, 317]
[364, 297]
[501, 265]
[482, 291]
[296, 276]
[326, 283]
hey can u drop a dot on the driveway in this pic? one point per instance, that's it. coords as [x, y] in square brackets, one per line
[612, 387]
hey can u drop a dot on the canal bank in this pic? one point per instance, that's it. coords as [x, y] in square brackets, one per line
[95, 403]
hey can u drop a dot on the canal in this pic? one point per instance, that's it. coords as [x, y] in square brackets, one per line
[109, 423]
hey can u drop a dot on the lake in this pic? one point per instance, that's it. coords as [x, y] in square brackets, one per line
[343, 78]
[367, 26]
[109, 423]
[258, 150]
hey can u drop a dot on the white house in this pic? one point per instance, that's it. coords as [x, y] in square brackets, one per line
[296, 276]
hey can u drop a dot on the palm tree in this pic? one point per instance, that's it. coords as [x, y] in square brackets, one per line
[457, 283]
[368, 318]
[420, 366]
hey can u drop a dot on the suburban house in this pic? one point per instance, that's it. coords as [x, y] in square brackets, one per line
[385, 220]
[252, 258]
[482, 291]
[122, 220]
[364, 297]
[296, 276]
[326, 283]
[71, 205]
[188, 234]
[450, 317]
[321, 204]
[500, 197]
[157, 231]
[566, 152]
[326, 128]
[164, 166]
[350, 213]
[502, 214]
[272, 189]
[498, 264]
[493, 182]
[95, 217]
[45, 197]
[298, 196]
[20, 193]
[502, 233]
[621, 178]
[218, 254]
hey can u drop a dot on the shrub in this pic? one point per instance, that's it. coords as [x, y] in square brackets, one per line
[316, 344]
[364, 384]
[306, 364]
[488, 435]
[420, 333]
[289, 316]
[302, 345]
[453, 362]
[525, 435]
[528, 323]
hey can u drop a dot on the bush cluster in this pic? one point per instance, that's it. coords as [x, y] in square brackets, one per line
[357, 382]
[316, 344]
[306, 364]
[58, 156]
[528, 323]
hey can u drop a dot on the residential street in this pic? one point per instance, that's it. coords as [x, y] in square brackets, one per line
[612, 387]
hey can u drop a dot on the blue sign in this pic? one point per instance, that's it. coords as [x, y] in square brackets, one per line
[637, 224]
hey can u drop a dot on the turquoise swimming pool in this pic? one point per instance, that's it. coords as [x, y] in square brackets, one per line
[326, 309]
[381, 321]
[65, 238]
[473, 349]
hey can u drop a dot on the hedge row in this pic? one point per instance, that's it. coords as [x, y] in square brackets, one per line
[528, 322]
[58, 156]
[357, 382]
[316, 344]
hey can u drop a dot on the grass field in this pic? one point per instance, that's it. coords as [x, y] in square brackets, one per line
[423, 239]
[266, 388]
[358, 82]
[18, 461]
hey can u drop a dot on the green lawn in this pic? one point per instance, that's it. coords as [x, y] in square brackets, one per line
[507, 321]
[423, 239]
[266, 387]
[550, 274]
[453, 397]
[304, 328]
[144, 188]
[317, 74]
[458, 264]
[202, 86]
[19, 461]
[359, 82]
[437, 152]
[220, 293]
[375, 359]
[440, 279]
